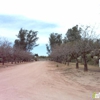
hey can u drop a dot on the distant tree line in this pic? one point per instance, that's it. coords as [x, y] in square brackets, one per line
[20, 51]
[79, 44]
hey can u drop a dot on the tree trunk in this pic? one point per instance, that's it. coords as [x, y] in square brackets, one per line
[15, 59]
[85, 63]
[3, 60]
[68, 63]
[77, 64]
[65, 60]
[97, 61]
[69, 60]
[12, 61]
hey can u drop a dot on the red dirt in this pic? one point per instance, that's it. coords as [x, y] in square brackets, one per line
[37, 81]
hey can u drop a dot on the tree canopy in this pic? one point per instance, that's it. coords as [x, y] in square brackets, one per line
[26, 39]
[73, 34]
[78, 43]
[54, 39]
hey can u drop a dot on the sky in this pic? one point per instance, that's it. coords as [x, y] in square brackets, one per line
[46, 16]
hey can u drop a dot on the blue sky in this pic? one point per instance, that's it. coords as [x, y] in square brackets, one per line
[46, 16]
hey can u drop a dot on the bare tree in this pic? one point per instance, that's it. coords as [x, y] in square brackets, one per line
[85, 45]
[79, 48]
[4, 50]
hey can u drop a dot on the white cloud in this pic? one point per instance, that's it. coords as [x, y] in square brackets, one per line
[7, 33]
[63, 12]
[42, 40]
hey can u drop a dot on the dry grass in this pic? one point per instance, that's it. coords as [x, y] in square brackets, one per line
[8, 65]
[89, 80]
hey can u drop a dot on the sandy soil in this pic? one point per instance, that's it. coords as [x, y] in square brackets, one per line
[42, 80]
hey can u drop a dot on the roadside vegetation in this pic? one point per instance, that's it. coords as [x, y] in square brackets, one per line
[80, 45]
[43, 58]
[20, 50]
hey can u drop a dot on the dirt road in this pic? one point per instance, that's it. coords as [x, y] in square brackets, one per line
[37, 81]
